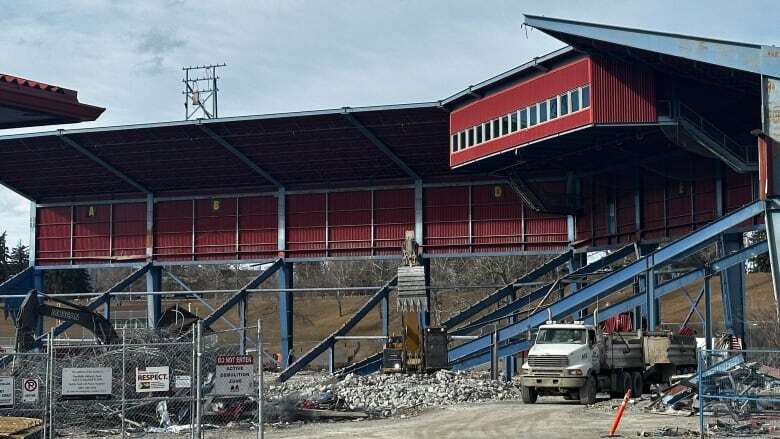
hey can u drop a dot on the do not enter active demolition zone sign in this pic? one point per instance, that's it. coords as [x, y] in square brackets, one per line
[235, 375]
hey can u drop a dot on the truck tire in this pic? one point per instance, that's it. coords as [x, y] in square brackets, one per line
[638, 384]
[529, 394]
[588, 391]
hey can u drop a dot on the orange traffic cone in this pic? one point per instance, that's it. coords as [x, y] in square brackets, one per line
[619, 414]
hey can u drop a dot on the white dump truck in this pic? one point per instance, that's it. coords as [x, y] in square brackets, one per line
[577, 361]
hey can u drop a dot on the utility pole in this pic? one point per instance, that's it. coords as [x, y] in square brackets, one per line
[200, 87]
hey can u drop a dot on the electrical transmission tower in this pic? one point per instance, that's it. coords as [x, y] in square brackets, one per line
[200, 87]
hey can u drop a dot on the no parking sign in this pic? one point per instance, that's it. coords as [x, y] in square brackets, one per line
[30, 390]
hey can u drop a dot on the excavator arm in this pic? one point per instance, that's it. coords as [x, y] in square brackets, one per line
[32, 310]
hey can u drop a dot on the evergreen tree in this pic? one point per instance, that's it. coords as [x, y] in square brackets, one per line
[18, 259]
[5, 273]
[68, 281]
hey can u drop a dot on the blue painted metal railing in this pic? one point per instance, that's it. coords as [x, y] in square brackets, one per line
[477, 351]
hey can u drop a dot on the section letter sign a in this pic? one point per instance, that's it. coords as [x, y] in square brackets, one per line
[152, 379]
[235, 375]
[86, 383]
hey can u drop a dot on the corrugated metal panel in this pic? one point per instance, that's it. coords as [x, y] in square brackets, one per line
[52, 237]
[305, 225]
[653, 208]
[739, 189]
[91, 233]
[622, 92]
[446, 214]
[556, 126]
[349, 223]
[257, 222]
[534, 90]
[128, 240]
[215, 228]
[625, 210]
[173, 230]
[393, 216]
[497, 216]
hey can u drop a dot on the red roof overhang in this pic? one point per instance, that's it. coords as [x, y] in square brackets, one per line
[25, 103]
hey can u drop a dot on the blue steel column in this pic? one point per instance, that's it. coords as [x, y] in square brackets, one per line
[39, 285]
[242, 323]
[577, 261]
[510, 364]
[153, 301]
[733, 286]
[652, 308]
[286, 313]
[384, 311]
[426, 316]
[707, 314]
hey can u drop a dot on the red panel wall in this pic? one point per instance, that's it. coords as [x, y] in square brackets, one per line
[92, 233]
[446, 214]
[52, 239]
[521, 95]
[349, 223]
[393, 216]
[129, 232]
[257, 222]
[173, 230]
[215, 229]
[622, 92]
[305, 225]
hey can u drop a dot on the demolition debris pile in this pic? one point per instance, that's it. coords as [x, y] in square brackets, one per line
[388, 395]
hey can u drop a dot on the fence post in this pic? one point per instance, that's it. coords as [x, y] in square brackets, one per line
[198, 354]
[700, 364]
[49, 393]
[52, 402]
[124, 376]
[192, 378]
[260, 425]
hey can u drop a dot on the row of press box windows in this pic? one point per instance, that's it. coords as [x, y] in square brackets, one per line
[535, 114]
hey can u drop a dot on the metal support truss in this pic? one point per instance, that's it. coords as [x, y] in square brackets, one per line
[611, 283]
[330, 340]
[87, 153]
[542, 291]
[732, 284]
[241, 294]
[153, 301]
[368, 134]
[241, 156]
[506, 290]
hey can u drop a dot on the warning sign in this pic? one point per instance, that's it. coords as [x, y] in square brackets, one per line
[152, 379]
[183, 382]
[86, 383]
[6, 391]
[30, 390]
[235, 375]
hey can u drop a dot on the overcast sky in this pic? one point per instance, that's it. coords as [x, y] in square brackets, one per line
[303, 55]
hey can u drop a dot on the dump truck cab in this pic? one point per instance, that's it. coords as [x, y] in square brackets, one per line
[563, 358]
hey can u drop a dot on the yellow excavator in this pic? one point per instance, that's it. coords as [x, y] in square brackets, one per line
[417, 349]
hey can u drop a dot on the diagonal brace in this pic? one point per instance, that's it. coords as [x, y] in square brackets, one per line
[368, 134]
[90, 155]
[241, 156]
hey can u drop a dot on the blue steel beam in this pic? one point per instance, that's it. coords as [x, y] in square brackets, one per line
[328, 342]
[508, 289]
[513, 347]
[240, 294]
[365, 366]
[286, 316]
[540, 292]
[754, 58]
[615, 281]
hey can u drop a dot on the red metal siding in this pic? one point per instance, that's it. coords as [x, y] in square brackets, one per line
[215, 229]
[497, 219]
[534, 90]
[622, 92]
[91, 233]
[52, 238]
[173, 230]
[393, 216]
[446, 214]
[305, 225]
[349, 223]
[128, 241]
[257, 225]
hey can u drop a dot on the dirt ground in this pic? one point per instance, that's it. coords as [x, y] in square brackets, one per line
[550, 418]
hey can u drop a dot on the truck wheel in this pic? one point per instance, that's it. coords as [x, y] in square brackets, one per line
[529, 394]
[638, 384]
[626, 381]
[588, 391]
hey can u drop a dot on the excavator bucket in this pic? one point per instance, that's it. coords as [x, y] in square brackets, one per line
[412, 291]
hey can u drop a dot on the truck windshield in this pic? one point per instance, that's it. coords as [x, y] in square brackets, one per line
[576, 336]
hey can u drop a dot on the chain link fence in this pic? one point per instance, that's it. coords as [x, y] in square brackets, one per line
[24, 390]
[739, 393]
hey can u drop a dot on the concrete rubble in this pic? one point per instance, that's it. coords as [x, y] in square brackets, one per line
[389, 395]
